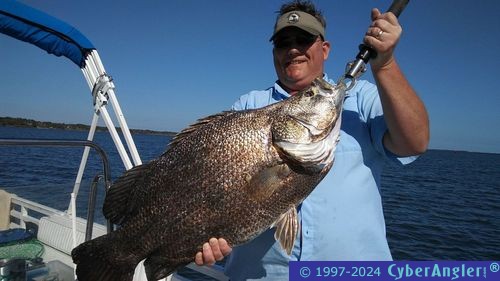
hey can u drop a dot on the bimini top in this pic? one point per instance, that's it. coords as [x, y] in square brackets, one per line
[52, 35]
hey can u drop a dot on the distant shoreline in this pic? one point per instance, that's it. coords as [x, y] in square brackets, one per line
[30, 123]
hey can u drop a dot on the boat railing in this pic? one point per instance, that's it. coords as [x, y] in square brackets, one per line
[53, 228]
[23, 212]
[26, 211]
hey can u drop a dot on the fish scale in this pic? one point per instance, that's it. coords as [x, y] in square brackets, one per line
[231, 175]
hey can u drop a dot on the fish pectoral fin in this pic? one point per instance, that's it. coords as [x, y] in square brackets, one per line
[263, 184]
[287, 227]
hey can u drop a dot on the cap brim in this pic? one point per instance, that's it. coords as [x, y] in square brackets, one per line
[301, 20]
[310, 31]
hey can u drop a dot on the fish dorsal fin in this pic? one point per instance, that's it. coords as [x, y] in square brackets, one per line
[200, 123]
[263, 184]
[287, 227]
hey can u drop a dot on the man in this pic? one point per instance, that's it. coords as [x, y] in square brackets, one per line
[342, 219]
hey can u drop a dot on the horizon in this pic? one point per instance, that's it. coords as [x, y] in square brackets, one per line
[176, 132]
[138, 130]
[172, 68]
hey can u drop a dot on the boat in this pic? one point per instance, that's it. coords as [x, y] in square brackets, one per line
[36, 240]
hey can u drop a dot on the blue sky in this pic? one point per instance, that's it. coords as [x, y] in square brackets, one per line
[176, 61]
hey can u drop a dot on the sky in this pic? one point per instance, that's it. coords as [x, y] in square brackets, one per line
[176, 61]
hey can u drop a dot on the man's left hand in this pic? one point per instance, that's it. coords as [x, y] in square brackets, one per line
[214, 250]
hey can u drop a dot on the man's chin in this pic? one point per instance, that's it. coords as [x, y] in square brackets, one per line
[296, 77]
[297, 84]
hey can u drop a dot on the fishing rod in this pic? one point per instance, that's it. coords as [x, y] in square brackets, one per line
[357, 67]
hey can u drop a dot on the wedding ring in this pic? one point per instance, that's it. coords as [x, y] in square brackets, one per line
[380, 33]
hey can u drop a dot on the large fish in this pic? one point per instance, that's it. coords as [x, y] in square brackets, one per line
[231, 175]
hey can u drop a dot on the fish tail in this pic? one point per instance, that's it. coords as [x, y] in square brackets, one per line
[92, 262]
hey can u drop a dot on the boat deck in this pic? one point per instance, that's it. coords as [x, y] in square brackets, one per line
[53, 231]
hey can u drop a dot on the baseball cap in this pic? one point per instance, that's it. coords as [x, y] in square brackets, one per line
[301, 20]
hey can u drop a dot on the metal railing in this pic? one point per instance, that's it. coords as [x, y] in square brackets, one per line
[74, 143]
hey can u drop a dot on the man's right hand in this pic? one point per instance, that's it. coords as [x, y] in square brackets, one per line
[214, 250]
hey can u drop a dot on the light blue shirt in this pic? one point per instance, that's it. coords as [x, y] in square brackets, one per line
[342, 219]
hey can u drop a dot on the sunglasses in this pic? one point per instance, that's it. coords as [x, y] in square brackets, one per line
[286, 42]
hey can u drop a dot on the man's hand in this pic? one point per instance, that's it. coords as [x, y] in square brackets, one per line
[383, 36]
[405, 114]
[214, 250]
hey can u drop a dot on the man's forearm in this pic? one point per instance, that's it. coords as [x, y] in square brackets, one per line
[405, 113]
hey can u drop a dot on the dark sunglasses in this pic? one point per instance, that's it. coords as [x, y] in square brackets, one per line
[286, 42]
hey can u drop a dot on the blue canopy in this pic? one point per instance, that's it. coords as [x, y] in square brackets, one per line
[52, 35]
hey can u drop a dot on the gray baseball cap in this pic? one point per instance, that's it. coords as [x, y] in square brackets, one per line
[301, 20]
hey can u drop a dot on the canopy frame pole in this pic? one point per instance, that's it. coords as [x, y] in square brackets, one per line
[83, 161]
[118, 111]
[92, 70]
[101, 100]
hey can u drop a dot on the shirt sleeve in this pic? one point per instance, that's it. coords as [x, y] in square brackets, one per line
[253, 99]
[240, 104]
[372, 113]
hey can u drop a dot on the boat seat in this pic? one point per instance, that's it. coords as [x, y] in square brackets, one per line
[55, 231]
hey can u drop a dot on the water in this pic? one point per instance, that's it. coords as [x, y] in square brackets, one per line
[445, 206]
[47, 174]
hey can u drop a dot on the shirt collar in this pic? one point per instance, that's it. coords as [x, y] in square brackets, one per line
[279, 93]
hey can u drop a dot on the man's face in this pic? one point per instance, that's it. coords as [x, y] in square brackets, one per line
[298, 58]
